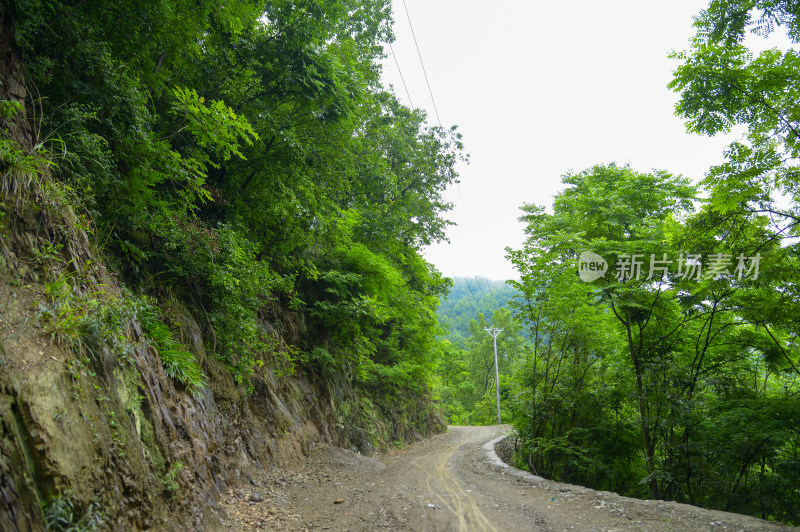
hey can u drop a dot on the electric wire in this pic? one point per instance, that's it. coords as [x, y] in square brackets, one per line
[463, 286]
[414, 35]
[439, 120]
[475, 300]
[459, 283]
[408, 94]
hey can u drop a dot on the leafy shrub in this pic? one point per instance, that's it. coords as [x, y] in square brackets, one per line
[170, 481]
[60, 516]
[222, 268]
[177, 361]
[84, 319]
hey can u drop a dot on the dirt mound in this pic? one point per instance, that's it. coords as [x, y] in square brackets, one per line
[339, 459]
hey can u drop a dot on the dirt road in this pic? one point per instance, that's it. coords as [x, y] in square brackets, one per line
[449, 482]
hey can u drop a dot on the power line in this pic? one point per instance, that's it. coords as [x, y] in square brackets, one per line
[458, 185]
[408, 94]
[473, 301]
[414, 35]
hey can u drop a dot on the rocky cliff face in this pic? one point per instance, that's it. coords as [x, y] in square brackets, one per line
[117, 432]
[90, 425]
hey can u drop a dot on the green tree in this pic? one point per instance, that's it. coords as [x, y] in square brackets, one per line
[655, 352]
[247, 161]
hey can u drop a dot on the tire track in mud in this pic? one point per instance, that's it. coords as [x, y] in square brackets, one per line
[463, 504]
[337, 489]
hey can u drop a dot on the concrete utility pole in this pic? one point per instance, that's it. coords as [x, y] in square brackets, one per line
[494, 331]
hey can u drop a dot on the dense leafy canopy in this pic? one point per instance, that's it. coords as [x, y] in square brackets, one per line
[244, 158]
[658, 352]
[723, 84]
[672, 380]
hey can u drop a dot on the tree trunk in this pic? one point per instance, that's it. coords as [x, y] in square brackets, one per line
[649, 445]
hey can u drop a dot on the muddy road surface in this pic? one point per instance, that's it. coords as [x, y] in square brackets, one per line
[449, 482]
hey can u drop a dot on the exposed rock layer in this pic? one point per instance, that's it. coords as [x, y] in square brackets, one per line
[105, 425]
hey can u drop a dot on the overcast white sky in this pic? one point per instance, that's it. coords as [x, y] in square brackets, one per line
[538, 89]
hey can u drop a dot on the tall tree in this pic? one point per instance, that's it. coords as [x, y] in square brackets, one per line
[656, 318]
[245, 158]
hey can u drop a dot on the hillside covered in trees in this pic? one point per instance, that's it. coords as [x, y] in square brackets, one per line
[651, 345]
[468, 297]
[465, 378]
[212, 218]
[212, 215]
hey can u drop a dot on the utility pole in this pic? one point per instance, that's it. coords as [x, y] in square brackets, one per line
[494, 331]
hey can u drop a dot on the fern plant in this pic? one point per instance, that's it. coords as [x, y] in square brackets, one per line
[60, 516]
[178, 362]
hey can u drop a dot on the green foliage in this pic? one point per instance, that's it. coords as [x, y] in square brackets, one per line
[60, 516]
[177, 361]
[215, 125]
[321, 362]
[85, 320]
[723, 84]
[220, 269]
[247, 162]
[642, 384]
[22, 173]
[9, 109]
[170, 481]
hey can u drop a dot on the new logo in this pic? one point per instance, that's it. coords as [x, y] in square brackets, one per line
[591, 266]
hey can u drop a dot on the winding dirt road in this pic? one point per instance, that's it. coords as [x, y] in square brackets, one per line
[449, 482]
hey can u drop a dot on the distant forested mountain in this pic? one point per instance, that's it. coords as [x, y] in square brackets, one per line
[469, 297]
